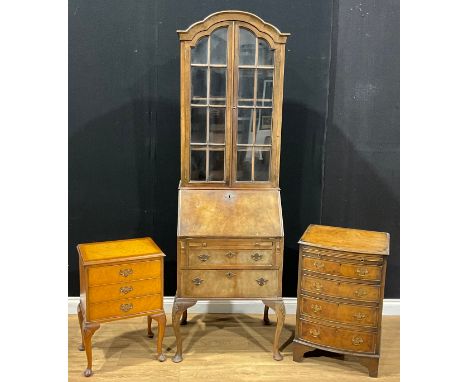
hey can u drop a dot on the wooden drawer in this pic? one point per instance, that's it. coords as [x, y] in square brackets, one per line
[338, 338]
[123, 290]
[230, 283]
[336, 268]
[230, 243]
[333, 311]
[124, 307]
[328, 254]
[336, 288]
[208, 258]
[109, 274]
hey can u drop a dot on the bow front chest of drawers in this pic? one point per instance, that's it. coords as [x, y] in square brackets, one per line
[120, 279]
[340, 293]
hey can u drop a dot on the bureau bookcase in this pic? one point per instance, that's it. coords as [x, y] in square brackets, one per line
[230, 227]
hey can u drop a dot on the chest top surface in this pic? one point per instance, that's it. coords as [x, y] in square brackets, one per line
[346, 239]
[112, 250]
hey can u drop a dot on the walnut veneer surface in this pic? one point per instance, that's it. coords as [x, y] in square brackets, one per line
[340, 292]
[120, 279]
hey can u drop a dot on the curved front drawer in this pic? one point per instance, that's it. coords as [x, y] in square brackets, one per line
[338, 338]
[124, 290]
[229, 283]
[109, 274]
[124, 307]
[335, 268]
[344, 313]
[337, 288]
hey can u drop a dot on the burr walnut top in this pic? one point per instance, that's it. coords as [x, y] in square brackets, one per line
[346, 239]
[110, 250]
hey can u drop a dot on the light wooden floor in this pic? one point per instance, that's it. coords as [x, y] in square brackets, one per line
[218, 347]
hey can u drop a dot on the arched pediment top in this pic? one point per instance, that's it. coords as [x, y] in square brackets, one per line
[223, 16]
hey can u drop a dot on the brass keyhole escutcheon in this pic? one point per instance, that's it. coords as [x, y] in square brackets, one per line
[197, 281]
[261, 281]
[230, 275]
[230, 255]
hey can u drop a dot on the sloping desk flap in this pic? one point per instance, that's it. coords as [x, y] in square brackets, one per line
[229, 213]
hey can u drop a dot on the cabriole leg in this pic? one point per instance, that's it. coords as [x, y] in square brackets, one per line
[88, 330]
[278, 307]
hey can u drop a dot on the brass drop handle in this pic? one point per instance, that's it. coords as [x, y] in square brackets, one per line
[318, 286]
[362, 271]
[230, 275]
[230, 255]
[316, 308]
[126, 272]
[319, 265]
[256, 256]
[126, 307]
[359, 316]
[356, 340]
[314, 332]
[204, 257]
[361, 292]
[261, 281]
[126, 289]
[197, 281]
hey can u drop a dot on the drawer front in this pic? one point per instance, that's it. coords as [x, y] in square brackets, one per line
[108, 274]
[123, 290]
[334, 288]
[333, 311]
[231, 244]
[124, 307]
[328, 254]
[206, 258]
[230, 283]
[335, 268]
[338, 338]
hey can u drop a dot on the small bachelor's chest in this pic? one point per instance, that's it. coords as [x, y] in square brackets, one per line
[340, 292]
[120, 279]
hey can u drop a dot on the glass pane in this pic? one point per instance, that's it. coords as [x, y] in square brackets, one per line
[218, 83]
[198, 85]
[262, 165]
[244, 126]
[198, 125]
[264, 87]
[198, 165]
[216, 165]
[263, 122]
[217, 123]
[246, 86]
[218, 46]
[244, 164]
[246, 47]
[199, 52]
[265, 53]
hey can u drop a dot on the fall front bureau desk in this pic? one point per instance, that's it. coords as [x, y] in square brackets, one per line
[120, 279]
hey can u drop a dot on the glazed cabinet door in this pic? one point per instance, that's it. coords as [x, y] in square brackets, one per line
[231, 100]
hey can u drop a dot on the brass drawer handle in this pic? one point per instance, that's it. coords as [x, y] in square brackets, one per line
[362, 271]
[230, 275]
[361, 292]
[126, 307]
[126, 272]
[319, 265]
[261, 281]
[316, 308]
[197, 281]
[314, 332]
[203, 257]
[318, 286]
[359, 316]
[256, 256]
[230, 255]
[126, 289]
[357, 340]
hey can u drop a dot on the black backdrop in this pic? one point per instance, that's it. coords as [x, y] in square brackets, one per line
[340, 139]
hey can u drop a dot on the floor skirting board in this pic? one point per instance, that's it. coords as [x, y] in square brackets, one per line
[391, 307]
